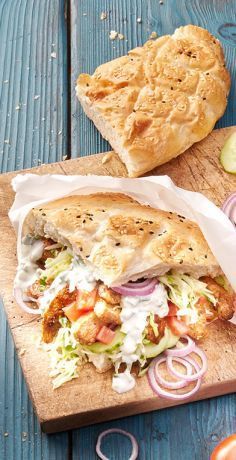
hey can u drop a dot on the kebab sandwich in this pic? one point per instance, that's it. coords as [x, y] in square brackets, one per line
[116, 282]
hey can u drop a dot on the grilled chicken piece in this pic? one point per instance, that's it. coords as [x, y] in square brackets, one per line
[198, 330]
[50, 323]
[206, 313]
[225, 300]
[108, 295]
[161, 324]
[108, 314]
[86, 328]
[48, 252]
[35, 290]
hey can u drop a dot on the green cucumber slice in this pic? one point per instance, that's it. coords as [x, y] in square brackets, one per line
[228, 154]
[168, 341]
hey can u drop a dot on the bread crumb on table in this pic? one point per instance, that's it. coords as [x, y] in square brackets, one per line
[139, 20]
[153, 35]
[103, 15]
[113, 34]
[121, 36]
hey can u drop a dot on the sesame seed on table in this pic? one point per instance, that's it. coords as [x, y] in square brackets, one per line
[45, 45]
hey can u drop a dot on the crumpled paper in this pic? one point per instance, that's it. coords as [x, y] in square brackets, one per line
[157, 191]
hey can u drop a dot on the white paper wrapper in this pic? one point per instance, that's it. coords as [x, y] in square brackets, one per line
[159, 191]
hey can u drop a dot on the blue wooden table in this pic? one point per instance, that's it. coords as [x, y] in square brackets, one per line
[44, 45]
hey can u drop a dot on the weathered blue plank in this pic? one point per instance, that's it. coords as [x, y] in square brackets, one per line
[189, 432]
[33, 76]
[91, 46]
[33, 129]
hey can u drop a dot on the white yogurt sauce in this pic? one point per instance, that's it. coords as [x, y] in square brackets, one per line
[80, 276]
[134, 315]
[77, 276]
[26, 273]
[123, 382]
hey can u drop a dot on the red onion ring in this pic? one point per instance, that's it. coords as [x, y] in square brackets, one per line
[188, 378]
[171, 385]
[18, 296]
[139, 291]
[134, 443]
[137, 284]
[229, 207]
[166, 394]
[183, 351]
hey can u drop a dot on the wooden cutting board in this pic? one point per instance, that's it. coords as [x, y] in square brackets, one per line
[90, 399]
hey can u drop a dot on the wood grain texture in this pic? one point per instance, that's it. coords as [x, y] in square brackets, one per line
[33, 129]
[122, 16]
[80, 402]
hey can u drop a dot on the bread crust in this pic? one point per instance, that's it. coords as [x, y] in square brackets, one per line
[122, 239]
[155, 102]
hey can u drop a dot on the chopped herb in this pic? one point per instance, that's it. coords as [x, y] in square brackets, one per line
[43, 281]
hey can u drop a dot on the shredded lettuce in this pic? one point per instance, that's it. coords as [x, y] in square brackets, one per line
[153, 324]
[185, 291]
[65, 355]
[54, 266]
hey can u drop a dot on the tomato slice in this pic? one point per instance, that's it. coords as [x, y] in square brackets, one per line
[226, 449]
[72, 312]
[177, 327]
[173, 309]
[86, 300]
[105, 335]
